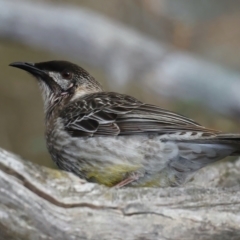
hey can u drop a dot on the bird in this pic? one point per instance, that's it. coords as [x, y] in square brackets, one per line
[116, 140]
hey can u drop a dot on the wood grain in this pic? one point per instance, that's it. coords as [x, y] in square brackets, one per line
[41, 203]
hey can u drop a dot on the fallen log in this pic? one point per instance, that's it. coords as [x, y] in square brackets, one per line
[41, 203]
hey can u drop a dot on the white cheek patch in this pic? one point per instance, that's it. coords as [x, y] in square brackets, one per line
[54, 75]
[64, 84]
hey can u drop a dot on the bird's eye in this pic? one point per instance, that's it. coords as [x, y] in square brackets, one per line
[66, 74]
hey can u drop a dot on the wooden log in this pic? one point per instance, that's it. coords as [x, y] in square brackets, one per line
[124, 54]
[41, 203]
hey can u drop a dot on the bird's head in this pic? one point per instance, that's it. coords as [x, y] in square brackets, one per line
[60, 81]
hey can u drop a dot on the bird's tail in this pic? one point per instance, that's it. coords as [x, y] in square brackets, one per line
[230, 139]
[194, 155]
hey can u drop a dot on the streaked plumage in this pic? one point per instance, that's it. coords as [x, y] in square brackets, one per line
[115, 139]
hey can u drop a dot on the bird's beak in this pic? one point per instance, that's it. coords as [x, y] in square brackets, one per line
[31, 68]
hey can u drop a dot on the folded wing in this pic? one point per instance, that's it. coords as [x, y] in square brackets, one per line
[113, 114]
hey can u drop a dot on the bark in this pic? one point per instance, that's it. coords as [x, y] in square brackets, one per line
[41, 203]
[124, 54]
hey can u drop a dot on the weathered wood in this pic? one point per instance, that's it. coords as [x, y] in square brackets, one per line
[124, 54]
[40, 203]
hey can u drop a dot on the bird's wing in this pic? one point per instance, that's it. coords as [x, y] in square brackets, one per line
[112, 114]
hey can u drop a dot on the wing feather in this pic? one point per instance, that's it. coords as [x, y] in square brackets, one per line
[106, 114]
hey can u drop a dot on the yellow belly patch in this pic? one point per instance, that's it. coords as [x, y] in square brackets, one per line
[111, 175]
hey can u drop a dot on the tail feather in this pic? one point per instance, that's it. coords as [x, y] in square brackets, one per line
[194, 155]
[232, 139]
[229, 136]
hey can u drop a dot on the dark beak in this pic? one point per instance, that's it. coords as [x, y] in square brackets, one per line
[30, 67]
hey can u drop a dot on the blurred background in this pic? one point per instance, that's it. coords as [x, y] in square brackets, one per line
[181, 55]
